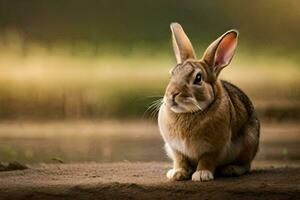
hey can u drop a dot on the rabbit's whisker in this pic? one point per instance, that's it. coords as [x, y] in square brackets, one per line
[153, 108]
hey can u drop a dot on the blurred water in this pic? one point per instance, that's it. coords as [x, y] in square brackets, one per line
[279, 143]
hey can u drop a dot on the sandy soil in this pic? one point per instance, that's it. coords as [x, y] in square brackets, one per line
[143, 181]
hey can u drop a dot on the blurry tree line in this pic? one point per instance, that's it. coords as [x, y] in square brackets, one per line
[263, 23]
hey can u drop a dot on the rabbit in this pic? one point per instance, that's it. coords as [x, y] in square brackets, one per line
[209, 126]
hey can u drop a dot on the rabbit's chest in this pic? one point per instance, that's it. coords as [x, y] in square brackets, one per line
[181, 137]
[188, 147]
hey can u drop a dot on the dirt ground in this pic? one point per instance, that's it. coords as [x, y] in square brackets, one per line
[143, 181]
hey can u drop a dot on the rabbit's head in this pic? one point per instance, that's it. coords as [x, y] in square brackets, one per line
[192, 84]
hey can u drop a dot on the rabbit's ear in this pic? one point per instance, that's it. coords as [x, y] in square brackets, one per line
[182, 46]
[221, 51]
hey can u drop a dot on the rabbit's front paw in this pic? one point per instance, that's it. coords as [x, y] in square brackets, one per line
[202, 175]
[177, 174]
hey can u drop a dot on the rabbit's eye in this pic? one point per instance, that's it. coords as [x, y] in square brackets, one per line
[197, 79]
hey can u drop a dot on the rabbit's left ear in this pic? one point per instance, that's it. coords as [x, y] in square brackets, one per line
[182, 46]
[220, 52]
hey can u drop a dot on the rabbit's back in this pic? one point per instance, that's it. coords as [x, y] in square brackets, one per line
[237, 96]
[243, 115]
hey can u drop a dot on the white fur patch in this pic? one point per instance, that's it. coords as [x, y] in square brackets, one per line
[169, 151]
[192, 149]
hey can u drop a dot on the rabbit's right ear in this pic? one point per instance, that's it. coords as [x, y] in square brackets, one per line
[182, 46]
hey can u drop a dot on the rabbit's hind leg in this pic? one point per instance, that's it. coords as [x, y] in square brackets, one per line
[248, 147]
[233, 170]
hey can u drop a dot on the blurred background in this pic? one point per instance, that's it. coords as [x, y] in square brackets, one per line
[77, 77]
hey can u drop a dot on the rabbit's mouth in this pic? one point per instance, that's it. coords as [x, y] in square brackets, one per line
[178, 109]
[185, 105]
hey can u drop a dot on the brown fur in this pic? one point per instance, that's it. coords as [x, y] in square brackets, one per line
[223, 136]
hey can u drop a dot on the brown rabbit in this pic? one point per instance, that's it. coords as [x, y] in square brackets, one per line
[209, 125]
